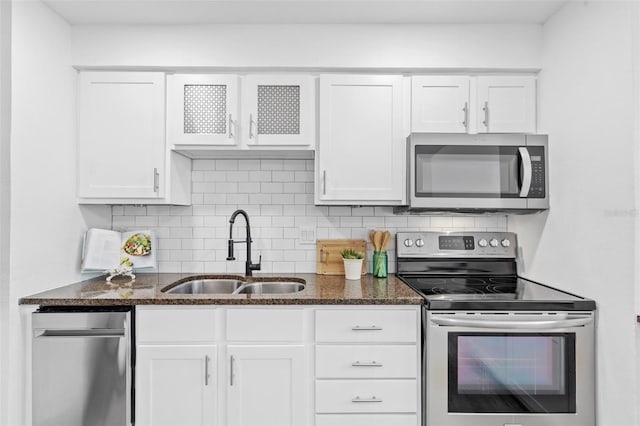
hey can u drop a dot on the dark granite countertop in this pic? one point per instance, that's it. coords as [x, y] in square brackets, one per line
[147, 290]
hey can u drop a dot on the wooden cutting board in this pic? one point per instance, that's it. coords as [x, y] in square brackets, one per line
[329, 255]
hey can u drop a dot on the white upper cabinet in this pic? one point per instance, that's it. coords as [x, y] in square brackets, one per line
[506, 104]
[440, 104]
[122, 156]
[278, 110]
[203, 109]
[361, 151]
[483, 104]
[121, 145]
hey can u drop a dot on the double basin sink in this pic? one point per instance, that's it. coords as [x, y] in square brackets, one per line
[233, 285]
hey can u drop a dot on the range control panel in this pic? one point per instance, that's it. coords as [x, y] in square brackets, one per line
[456, 244]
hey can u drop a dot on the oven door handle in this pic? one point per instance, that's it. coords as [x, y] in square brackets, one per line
[521, 325]
[527, 171]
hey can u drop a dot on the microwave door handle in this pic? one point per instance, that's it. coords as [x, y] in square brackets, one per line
[520, 325]
[527, 171]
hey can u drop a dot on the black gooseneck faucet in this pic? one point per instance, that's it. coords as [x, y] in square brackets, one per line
[249, 267]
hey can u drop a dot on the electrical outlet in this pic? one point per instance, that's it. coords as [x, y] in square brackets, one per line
[307, 235]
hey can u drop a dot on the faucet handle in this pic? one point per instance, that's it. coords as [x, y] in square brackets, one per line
[257, 266]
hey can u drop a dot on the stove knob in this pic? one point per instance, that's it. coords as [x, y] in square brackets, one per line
[419, 242]
[505, 243]
[493, 242]
[408, 242]
[482, 243]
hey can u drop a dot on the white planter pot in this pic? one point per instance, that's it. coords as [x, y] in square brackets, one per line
[352, 269]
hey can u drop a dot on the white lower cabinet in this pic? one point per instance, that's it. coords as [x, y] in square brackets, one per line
[259, 366]
[266, 385]
[366, 420]
[175, 385]
[368, 367]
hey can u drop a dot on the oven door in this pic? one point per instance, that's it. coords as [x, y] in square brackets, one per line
[510, 368]
[485, 174]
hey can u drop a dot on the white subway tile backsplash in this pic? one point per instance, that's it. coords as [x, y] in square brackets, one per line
[282, 176]
[294, 165]
[272, 164]
[237, 198]
[146, 221]
[228, 165]
[135, 210]
[278, 196]
[249, 165]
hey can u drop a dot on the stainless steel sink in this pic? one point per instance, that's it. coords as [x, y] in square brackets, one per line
[267, 287]
[206, 286]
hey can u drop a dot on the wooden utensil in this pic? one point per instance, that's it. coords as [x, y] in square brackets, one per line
[377, 241]
[385, 240]
[372, 234]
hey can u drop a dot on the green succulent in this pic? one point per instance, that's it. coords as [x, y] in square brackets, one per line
[352, 254]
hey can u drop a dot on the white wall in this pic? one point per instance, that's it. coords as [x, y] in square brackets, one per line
[585, 242]
[320, 46]
[46, 222]
[5, 193]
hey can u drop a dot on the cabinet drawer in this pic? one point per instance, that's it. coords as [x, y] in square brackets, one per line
[366, 325]
[367, 420]
[265, 325]
[366, 396]
[366, 362]
[187, 324]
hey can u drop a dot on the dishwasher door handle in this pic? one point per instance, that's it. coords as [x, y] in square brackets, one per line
[94, 332]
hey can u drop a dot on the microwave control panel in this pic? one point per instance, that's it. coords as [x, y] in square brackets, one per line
[538, 172]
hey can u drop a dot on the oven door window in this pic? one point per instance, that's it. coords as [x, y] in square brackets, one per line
[467, 171]
[512, 373]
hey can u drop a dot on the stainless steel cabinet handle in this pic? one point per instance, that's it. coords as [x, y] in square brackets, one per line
[486, 114]
[156, 180]
[206, 370]
[231, 361]
[366, 364]
[231, 135]
[360, 328]
[324, 182]
[250, 126]
[526, 325]
[372, 399]
[96, 332]
[527, 171]
[465, 109]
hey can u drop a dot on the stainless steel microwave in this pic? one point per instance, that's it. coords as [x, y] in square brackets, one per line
[484, 172]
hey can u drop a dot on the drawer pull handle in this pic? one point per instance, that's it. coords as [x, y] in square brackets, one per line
[372, 399]
[360, 328]
[366, 364]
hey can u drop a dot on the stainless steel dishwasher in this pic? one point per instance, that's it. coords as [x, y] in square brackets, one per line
[82, 367]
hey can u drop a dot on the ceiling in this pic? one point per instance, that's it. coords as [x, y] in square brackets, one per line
[175, 12]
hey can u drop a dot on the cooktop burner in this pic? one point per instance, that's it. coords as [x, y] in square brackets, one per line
[465, 287]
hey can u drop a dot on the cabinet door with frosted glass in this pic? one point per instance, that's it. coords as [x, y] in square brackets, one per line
[203, 109]
[279, 110]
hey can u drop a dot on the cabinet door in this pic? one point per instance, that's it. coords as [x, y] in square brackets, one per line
[279, 110]
[361, 151]
[266, 386]
[203, 109]
[175, 385]
[121, 146]
[506, 104]
[440, 104]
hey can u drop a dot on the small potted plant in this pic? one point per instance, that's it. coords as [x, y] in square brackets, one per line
[352, 263]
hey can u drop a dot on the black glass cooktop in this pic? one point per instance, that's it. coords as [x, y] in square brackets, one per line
[500, 292]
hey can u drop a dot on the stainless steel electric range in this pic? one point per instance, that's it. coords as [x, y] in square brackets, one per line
[500, 350]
